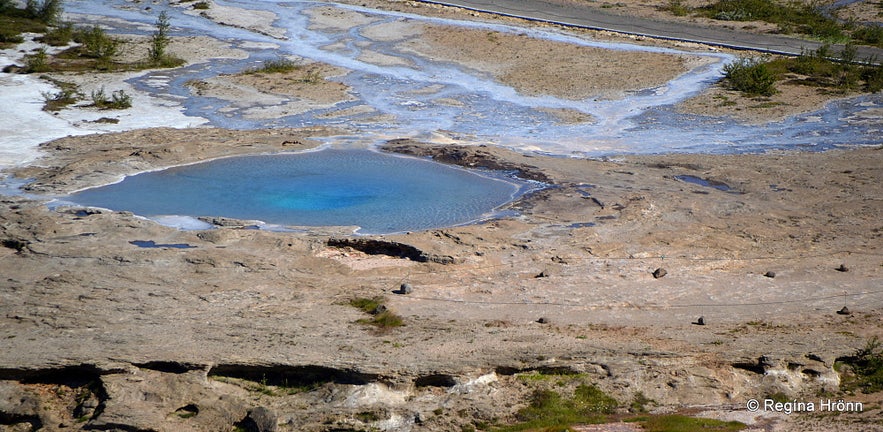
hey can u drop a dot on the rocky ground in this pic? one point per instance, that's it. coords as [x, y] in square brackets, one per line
[600, 278]
[239, 321]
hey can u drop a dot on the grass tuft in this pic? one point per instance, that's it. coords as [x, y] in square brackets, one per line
[279, 65]
[680, 423]
[864, 369]
[381, 317]
[548, 410]
[118, 100]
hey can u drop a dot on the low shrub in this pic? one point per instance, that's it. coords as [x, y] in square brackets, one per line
[57, 101]
[791, 17]
[96, 43]
[680, 423]
[869, 35]
[279, 65]
[8, 35]
[118, 99]
[750, 75]
[677, 8]
[382, 318]
[549, 410]
[45, 11]
[60, 35]
[36, 62]
[864, 368]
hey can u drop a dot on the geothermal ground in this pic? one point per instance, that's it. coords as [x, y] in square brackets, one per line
[687, 283]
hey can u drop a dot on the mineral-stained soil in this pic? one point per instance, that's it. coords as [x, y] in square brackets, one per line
[109, 321]
[232, 325]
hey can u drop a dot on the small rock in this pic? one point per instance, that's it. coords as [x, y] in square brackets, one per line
[264, 419]
[405, 288]
[770, 274]
[842, 268]
[379, 310]
[658, 273]
[258, 419]
[543, 274]
[700, 321]
[543, 320]
[844, 311]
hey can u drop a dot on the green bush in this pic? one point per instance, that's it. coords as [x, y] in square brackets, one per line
[14, 22]
[8, 35]
[677, 8]
[37, 62]
[45, 11]
[873, 77]
[160, 39]
[791, 17]
[57, 101]
[96, 43]
[60, 35]
[866, 368]
[869, 34]
[118, 100]
[825, 69]
[279, 65]
[750, 75]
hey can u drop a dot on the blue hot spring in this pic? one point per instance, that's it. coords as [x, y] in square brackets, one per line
[377, 192]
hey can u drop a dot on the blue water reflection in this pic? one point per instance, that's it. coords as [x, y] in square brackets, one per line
[378, 192]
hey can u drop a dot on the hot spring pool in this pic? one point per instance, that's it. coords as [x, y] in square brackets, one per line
[377, 192]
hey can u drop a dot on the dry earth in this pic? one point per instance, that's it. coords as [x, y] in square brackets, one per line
[169, 329]
[240, 326]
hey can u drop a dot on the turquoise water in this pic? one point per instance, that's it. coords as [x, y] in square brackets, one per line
[378, 192]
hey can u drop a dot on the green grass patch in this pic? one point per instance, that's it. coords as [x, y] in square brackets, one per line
[677, 8]
[385, 319]
[59, 35]
[837, 72]
[279, 65]
[67, 94]
[381, 318]
[681, 423]
[863, 370]
[14, 22]
[549, 411]
[367, 305]
[791, 17]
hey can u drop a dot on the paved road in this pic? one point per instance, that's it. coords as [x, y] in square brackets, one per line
[592, 18]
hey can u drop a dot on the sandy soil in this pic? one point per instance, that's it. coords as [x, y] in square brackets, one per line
[790, 99]
[536, 67]
[270, 95]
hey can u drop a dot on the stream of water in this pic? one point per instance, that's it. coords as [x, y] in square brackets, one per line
[415, 100]
[418, 97]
